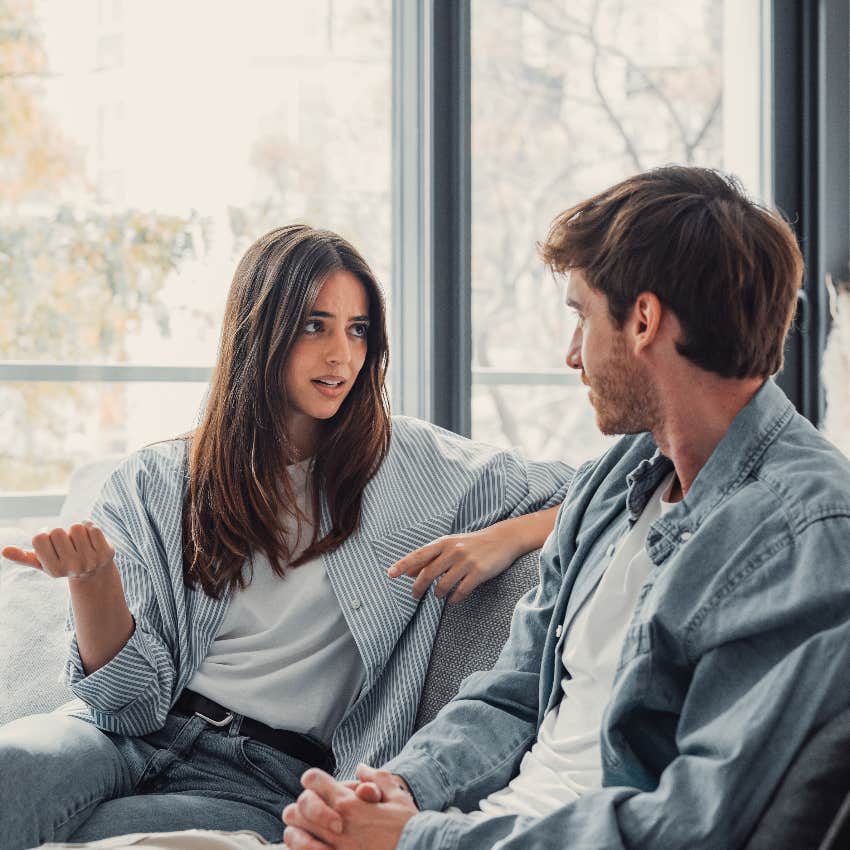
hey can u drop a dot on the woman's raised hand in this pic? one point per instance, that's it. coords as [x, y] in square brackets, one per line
[82, 554]
[461, 561]
[78, 553]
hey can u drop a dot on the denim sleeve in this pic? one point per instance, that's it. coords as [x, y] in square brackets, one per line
[766, 676]
[476, 742]
[130, 694]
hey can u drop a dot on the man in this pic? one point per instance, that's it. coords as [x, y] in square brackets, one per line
[692, 623]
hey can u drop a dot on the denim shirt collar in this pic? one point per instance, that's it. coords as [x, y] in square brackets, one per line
[733, 459]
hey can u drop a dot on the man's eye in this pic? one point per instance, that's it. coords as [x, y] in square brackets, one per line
[312, 327]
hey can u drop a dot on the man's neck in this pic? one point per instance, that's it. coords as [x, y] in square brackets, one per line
[697, 412]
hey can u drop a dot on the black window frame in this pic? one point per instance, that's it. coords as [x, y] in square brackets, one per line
[809, 132]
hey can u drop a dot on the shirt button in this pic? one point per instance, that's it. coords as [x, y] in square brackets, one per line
[558, 631]
[685, 536]
[611, 549]
[355, 604]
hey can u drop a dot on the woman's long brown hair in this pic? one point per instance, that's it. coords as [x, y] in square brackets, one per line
[239, 490]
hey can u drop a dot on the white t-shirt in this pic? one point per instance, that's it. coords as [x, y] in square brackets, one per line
[284, 654]
[566, 761]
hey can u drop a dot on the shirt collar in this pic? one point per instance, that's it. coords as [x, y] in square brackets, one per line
[733, 459]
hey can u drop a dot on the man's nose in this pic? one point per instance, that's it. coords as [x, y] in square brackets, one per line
[573, 358]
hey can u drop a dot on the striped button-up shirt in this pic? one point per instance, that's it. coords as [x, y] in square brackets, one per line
[431, 483]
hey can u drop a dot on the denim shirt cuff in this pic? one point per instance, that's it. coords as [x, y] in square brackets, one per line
[434, 830]
[425, 778]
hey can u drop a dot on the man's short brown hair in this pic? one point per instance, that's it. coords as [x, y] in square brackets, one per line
[728, 268]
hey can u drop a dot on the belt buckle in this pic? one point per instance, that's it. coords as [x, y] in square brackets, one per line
[219, 723]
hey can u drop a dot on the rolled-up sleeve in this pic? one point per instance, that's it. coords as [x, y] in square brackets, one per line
[133, 692]
[509, 486]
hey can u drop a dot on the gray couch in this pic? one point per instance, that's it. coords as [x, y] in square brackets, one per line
[811, 809]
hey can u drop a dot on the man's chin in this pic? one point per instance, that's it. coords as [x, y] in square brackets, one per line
[615, 428]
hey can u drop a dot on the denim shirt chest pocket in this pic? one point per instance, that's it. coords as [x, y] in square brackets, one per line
[636, 643]
[635, 663]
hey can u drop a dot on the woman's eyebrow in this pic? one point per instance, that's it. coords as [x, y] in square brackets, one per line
[322, 314]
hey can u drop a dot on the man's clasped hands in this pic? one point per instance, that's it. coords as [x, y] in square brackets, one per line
[367, 814]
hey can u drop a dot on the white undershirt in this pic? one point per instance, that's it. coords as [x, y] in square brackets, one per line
[284, 654]
[565, 761]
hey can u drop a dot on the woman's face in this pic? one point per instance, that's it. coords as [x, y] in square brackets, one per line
[326, 358]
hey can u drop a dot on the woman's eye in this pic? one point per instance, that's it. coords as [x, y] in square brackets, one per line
[312, 327]
[360, 330]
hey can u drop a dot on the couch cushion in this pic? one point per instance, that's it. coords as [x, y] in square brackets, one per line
[472, 633]
[32, 636]
[33, 610]
[811, 792]
[84, 487]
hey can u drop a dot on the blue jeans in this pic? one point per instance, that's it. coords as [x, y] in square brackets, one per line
[64, 779]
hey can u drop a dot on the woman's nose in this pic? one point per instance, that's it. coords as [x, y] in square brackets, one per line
[339, 348]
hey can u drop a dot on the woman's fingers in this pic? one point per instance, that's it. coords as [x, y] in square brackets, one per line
[21, 556]
[448, 580]
[466, 585]
[79, 536]
[64, 548]
[412, 563]
[428, 574]
[460, 562]
[102, 547]
[79, 552]
[42, 544]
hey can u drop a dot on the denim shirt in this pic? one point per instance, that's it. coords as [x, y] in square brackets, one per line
[737, 649]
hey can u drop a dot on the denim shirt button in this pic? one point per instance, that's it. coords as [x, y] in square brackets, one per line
[685, 536]
[611, 549]
[355, 604]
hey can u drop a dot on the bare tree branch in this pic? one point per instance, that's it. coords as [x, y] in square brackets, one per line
[712, 114]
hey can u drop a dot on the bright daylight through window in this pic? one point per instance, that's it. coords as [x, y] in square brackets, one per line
[569, 96]
[144, 147]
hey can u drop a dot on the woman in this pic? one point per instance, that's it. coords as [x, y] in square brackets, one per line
[260, 614]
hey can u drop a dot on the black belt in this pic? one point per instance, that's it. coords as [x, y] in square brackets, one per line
[292, 743]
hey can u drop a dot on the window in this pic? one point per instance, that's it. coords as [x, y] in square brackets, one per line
[568, 98]
[145, 146]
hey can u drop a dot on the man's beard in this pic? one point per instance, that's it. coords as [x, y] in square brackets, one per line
[623, 396]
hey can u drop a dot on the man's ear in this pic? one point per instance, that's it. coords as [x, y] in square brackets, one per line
[645, 320]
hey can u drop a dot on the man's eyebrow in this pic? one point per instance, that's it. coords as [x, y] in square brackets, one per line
[322, 314]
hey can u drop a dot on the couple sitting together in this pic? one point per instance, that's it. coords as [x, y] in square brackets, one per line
[253, 604]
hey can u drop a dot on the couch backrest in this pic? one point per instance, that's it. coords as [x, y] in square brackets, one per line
[471, 634]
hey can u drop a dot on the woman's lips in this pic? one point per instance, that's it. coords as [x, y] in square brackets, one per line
[329, 390]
